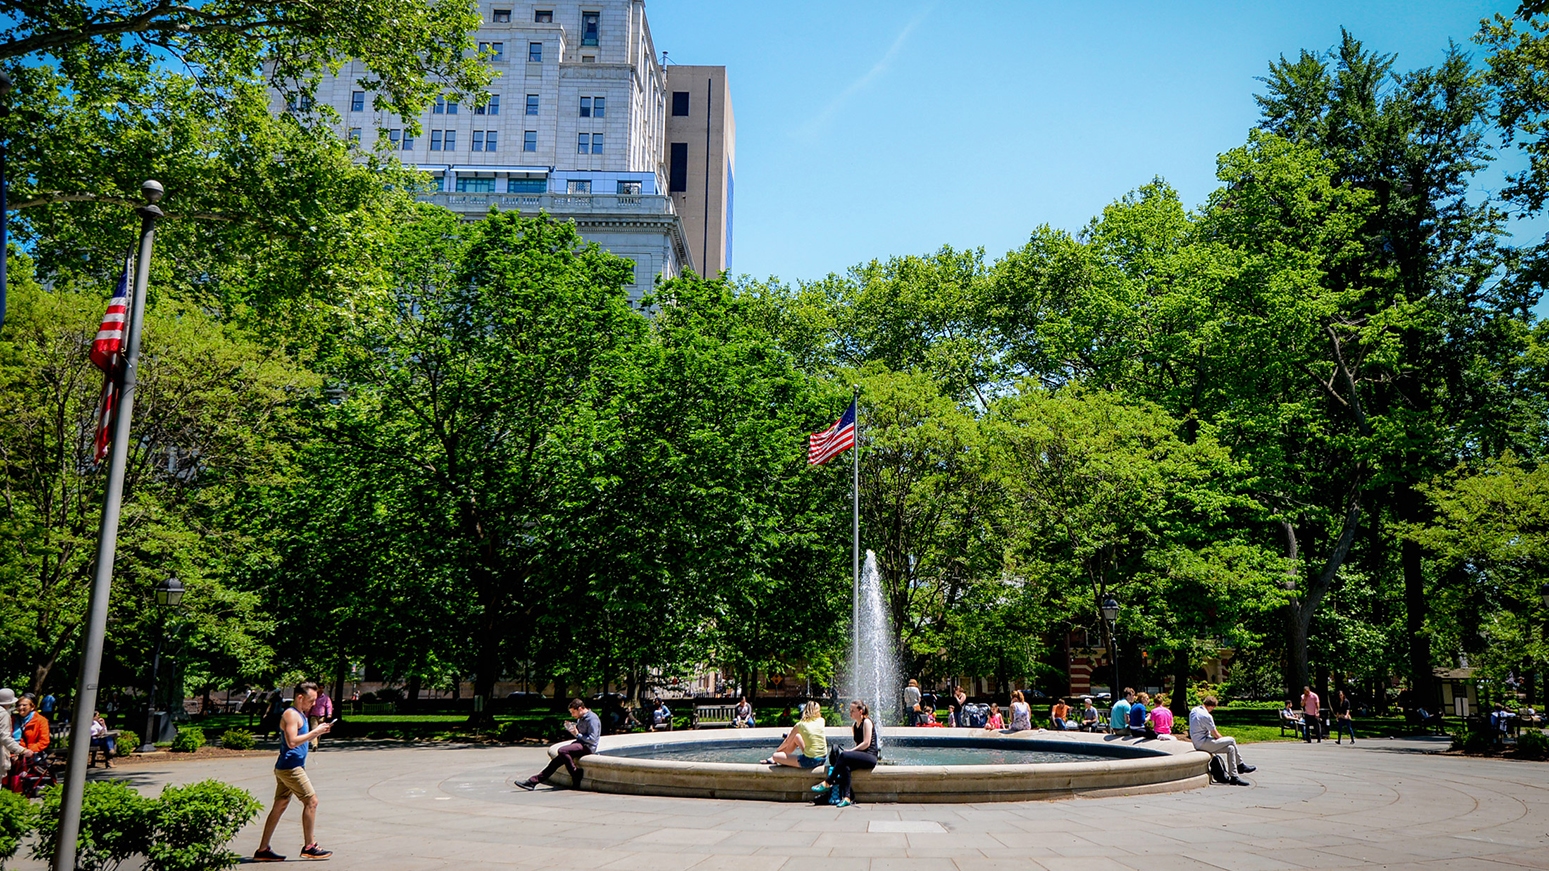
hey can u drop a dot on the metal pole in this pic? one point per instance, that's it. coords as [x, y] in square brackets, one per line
[5, 130]
[148, 743]
[107, 542]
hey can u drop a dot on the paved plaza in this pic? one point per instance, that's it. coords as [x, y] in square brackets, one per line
[1381, 803]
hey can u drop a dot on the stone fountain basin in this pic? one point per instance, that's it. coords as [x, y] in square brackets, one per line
[1120, 766]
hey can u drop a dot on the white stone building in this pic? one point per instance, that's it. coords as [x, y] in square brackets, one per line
[575, 124]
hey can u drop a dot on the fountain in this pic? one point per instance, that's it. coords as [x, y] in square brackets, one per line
[873, 674]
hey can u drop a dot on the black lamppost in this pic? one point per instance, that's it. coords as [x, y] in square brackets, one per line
[169, 594]
[1110, 612]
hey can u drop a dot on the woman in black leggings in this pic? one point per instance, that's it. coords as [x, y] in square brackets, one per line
[862, 757]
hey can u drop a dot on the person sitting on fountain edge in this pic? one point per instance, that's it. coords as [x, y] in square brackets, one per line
[805, 746]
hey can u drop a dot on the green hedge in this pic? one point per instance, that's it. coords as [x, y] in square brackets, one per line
[188, 740]
[187, 828]
[17, 818]
[238, 739]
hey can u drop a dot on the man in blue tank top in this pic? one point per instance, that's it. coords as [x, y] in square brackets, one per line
[290, 776]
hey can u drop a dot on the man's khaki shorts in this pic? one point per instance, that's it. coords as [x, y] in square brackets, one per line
[292, 782]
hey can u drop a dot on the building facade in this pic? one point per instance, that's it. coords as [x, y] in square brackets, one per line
[575, 124]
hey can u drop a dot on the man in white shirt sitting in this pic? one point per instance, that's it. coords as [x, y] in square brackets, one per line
[1203, 734]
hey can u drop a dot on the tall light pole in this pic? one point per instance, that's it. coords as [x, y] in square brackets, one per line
[1110, 612]
[5, 131]
[169, 594]
[107, 545]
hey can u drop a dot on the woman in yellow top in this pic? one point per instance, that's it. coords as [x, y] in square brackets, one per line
[805, 746]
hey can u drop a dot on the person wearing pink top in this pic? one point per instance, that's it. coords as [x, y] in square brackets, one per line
[1161, 720]
[1310, 707]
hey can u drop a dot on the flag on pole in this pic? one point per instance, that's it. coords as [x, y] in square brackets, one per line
[106, 352]
[831, 442]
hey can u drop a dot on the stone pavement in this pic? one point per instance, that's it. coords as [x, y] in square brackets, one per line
[1382, 803]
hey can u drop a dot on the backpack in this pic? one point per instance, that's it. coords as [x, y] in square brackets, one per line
[1218, 769]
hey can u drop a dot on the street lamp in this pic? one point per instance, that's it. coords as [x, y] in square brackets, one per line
[1110, 611]
[169, 594]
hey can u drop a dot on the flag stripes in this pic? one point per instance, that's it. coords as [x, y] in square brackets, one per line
[107, 350]
[830, 443]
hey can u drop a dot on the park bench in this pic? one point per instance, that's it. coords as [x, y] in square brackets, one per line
[1291, 720]
[712, 715]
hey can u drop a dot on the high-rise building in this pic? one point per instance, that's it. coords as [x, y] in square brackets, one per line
[582, 121]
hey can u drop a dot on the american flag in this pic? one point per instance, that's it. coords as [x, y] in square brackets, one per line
[835, 440]
[106, 352]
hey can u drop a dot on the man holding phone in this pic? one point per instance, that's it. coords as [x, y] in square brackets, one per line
[586, 728]
[290, 776]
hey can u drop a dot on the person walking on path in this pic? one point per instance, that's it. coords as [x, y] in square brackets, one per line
[322, 711]
[1205, 736]
[1118, 717]
[587, 729]
[1342, 722]
[1021, 712]
[290, 777]
[912, 702]
[1311, 705]
[862, 757]
[805, 746]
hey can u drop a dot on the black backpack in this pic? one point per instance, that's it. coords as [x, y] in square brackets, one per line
[1218, 770]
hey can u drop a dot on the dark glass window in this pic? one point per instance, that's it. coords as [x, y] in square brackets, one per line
[598, 107]
[629, 188]
[527, 185]
[476, 185]
[532, 104]
[535, 52]
[451, 140]
[543, 16]
[435, 140]
[502, 16]
[586, 107]
[583, 142]
[680, 102]
[589, 28]
[677, 168]
[530, 140]
[478, 140]
[358, 101]
[596, 143]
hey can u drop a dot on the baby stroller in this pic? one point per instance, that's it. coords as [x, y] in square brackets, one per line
[37, 773]
[974, 715]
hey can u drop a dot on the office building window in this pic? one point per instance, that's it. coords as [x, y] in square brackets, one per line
[530, 140]
[588, 58]
[502, 16]
[484, 140]
[586, 107]
[395, 137]
[354, 134]
[532, 104]
[358, 101]
[543, 16]
[583, 144]
[449, 139]
[302, 103]
[490, 106]
[527, 185]
[408, 141]
[589, 28]
[680, 103]
[495, 50]
[677, 168]
[478, 140]
[599, 106]
[435, 140]
[578, 186]
[476, 185]
[596, 143]
[629, 188]
[444, 106]
[535, 52]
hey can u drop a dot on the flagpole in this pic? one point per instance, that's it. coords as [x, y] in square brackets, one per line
[855, 529]
[107, 544]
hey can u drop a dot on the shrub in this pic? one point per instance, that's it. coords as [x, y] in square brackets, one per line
[128, 741]
[1532, 744]
[116, 823]
[194, 824]
[237, 739]
[188, 740]
[1473, 741]
[17, 820]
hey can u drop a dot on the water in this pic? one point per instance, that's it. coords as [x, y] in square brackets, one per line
[873, 674]
[899, 752]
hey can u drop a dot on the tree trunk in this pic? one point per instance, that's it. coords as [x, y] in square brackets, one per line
[411, 702]
[1421, 679]
[338, 680]
[1297, 674]
[1181, 669]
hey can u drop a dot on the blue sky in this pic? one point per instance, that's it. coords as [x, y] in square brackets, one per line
[867, 129]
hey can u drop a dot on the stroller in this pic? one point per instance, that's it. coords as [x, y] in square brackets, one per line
[974, 715]
[38, 772]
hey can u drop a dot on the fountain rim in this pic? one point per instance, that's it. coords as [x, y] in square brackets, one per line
[1172, 766]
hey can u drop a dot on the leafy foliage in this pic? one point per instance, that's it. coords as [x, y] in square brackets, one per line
[195, 823]
[188, 740]
[18, 817]
[117, 823]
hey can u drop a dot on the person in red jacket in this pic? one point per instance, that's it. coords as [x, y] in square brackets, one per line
[30, 729]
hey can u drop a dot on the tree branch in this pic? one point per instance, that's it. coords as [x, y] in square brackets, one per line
[63, 197]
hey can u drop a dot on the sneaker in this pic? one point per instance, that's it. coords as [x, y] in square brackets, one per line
[822, 787]
[267, 855]
[1245, 768]
[844, 802]
[315, 852]
[527, 785]
[1238, 781]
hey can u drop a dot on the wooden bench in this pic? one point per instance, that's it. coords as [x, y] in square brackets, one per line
[712, 715]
